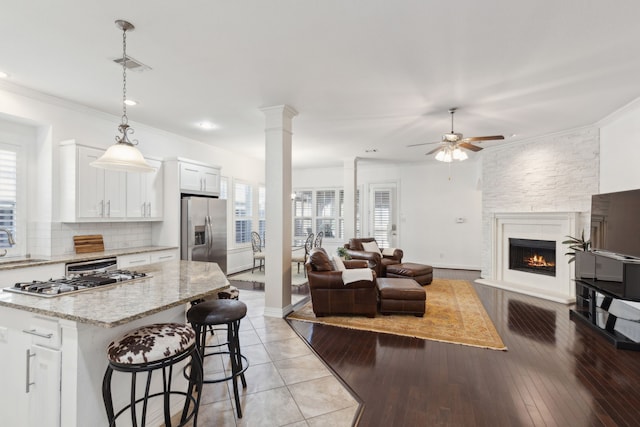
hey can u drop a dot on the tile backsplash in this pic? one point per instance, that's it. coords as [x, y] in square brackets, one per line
[56, 238]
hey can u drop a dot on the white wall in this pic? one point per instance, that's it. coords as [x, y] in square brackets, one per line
[433, 195]
[620, 150]
[56, 120]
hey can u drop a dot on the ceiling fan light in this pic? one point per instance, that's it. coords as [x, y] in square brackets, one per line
[463, 156]
[457, 153]
[440, 156]
[448, 157]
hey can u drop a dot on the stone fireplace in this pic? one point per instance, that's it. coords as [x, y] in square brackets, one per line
[527, 254]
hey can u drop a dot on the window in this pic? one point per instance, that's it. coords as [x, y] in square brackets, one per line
[302, 214]
[8, 193]
[320, 210]
[382, 216]
[242, 202]
[326, 212]
[262, 209]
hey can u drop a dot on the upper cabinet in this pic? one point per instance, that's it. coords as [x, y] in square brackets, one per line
[198, 178]
[89, 194]
[144, 193]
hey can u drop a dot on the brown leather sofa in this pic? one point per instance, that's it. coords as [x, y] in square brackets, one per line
[376, 261]
[329, 294]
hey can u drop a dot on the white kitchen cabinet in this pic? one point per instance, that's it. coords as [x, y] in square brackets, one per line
[162, 256]
[133, 260]
[128, 262]
[145, 193]
[88, 193]
[30, 349]
[197, 178]
[44, 386]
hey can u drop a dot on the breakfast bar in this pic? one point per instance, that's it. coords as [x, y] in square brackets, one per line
[56, 346]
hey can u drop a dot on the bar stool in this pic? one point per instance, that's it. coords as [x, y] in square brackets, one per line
[208, 314]
[146, 349]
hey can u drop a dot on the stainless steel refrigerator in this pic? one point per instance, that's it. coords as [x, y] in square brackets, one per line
[203, 234]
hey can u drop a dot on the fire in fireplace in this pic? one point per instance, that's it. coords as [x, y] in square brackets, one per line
[533, 256]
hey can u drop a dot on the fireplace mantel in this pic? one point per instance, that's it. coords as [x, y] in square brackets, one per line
[532, 225]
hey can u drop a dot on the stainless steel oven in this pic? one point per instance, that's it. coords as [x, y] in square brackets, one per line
[83, 268]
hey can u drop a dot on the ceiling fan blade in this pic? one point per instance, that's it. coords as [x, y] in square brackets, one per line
[469, 146]
[423, 143]
[433, 151]
[482, 138]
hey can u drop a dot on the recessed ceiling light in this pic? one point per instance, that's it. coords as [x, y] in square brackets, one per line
[208, 125]
[130, 102]
[3, 75]
[513, 135]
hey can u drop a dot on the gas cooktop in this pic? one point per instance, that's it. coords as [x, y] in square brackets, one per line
[67, 285]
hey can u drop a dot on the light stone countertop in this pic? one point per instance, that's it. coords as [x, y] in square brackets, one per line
[170, 284]
[34, 260]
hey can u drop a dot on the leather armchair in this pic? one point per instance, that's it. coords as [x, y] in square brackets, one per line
[329, 294]
[377, 262]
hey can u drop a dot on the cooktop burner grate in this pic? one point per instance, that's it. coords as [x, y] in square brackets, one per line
[67, 285]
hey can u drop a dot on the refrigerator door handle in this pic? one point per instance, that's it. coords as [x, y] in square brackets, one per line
[207, 236]
[210, 232]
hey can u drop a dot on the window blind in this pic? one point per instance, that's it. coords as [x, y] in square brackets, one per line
[8, 193]
[242, 203]
[382, 217]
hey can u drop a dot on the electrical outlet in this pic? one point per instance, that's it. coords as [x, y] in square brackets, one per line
[3, 334]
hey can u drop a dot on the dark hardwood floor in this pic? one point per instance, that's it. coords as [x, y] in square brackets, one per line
[555, 372]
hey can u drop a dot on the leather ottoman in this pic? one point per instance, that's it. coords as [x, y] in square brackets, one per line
[403, 296]
[423, 274]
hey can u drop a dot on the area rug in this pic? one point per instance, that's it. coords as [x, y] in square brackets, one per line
[258, 277]
[454, 314]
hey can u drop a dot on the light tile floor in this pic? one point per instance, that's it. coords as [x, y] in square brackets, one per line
[287, 385]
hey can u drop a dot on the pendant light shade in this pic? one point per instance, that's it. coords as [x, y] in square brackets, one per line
[123, 156]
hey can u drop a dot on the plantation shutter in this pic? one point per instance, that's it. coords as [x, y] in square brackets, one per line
[382, 216]
[325, 212]
[8, 193]
[243, 212]
[302, 213]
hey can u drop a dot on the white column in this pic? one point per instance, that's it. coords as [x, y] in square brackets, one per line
[350, 183]
[278, 140]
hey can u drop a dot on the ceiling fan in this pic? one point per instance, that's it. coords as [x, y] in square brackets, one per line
[451, 144]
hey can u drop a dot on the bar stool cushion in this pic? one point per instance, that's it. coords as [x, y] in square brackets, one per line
[217, 312]
[151, 343]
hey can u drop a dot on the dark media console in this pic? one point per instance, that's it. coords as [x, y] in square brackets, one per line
[613, 277]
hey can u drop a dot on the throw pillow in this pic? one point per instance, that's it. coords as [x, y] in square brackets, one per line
[371, 247]
[337, 261]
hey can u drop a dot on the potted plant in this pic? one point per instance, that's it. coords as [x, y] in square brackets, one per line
[576, 244]
[342, 253]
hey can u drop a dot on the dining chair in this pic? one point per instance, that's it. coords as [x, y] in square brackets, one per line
[318, 242]
[302, 258]
[256, 246]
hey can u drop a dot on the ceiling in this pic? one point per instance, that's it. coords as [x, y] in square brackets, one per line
[363, 74]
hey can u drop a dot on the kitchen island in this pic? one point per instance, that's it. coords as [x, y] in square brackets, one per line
[53, 349]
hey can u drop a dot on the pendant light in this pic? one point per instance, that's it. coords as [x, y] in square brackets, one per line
[123, 155]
